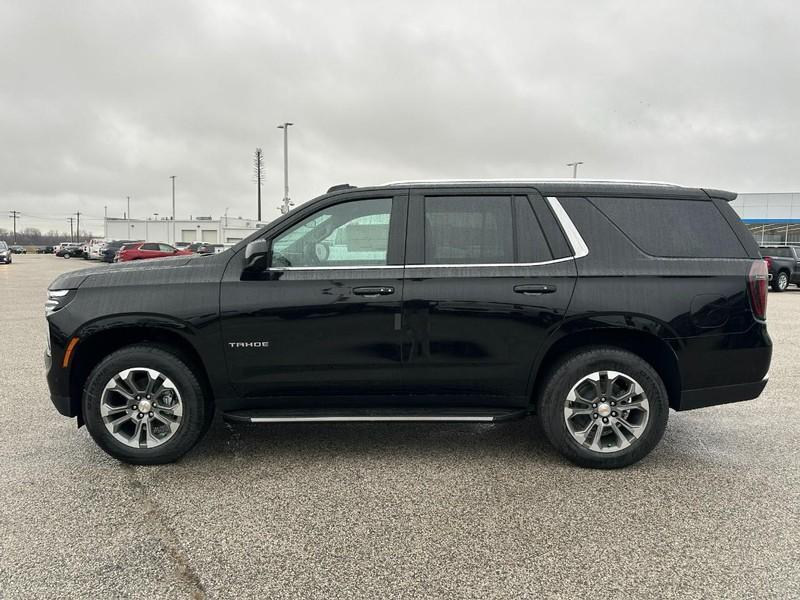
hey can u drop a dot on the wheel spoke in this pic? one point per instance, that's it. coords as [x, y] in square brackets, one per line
[114, 424]
[622, 441]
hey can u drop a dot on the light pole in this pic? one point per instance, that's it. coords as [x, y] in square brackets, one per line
[286, 202]
[173, 207]
[574, 166]
[128, 214]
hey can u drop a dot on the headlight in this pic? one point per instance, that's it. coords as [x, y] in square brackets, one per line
[57, 299]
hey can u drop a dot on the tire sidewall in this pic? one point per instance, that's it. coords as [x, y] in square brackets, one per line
[783, 281]
[195, 411]
[572, 370]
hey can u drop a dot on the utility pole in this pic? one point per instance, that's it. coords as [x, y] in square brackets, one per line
[71, 233]
[78, 227]
[14, 214]
[574, 166]
[287, 203]
[258, 171]
[128, 214]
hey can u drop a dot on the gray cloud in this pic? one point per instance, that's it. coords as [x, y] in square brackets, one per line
[99, 100]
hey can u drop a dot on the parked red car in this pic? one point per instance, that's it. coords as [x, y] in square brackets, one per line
[142, 250]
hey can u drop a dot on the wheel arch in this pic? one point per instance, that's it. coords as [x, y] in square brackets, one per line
[93, 348]
[648, 346]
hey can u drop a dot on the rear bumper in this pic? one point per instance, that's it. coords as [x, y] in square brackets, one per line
[723, 394]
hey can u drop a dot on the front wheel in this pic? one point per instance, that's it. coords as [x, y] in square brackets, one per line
[144, 405]
[604, 408]
[780, 282]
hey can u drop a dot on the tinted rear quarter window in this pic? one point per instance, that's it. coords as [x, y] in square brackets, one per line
[673, 228]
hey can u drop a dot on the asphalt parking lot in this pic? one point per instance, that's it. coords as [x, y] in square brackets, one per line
[393, 510]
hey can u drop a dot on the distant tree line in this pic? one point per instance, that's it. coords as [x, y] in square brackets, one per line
[31, 236]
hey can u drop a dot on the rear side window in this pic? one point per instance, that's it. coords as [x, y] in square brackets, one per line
[531, 245]
[673, 228]
[784, 252]
[468, 230]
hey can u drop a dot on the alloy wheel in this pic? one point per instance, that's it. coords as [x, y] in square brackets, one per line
[606, 411]
[783, 281]
[141, 407]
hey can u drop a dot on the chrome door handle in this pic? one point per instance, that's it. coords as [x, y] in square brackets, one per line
[374, 290]
[535, 289]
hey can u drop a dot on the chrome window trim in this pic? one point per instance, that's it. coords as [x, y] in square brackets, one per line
[342, 268]
[579, 247]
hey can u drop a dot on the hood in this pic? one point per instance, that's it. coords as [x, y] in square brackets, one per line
[74, 279]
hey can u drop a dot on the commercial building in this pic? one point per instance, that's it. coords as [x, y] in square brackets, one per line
[225, 230]
[772, 218]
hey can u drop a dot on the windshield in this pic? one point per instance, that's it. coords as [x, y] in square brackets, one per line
[3, 246]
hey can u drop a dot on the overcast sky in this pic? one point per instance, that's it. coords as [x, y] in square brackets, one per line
[99, 100]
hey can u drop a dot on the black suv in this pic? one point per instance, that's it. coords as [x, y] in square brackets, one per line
[596, 306]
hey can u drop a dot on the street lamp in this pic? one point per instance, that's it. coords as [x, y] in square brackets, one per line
[574, 166]
[286, 202]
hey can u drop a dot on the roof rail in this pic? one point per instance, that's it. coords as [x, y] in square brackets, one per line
[531, 181]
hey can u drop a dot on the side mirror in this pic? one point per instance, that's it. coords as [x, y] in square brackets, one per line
[256, 256]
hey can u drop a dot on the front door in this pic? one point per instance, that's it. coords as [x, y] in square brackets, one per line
[489, 276]
[325, 321]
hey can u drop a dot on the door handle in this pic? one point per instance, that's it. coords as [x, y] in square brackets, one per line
[383, 290]
[535, 289]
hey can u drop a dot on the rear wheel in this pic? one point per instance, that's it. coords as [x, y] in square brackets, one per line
[143, 405]
[780, 282]
[604, 408]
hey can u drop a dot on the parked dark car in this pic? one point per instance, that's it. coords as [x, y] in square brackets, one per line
[201, 248]
[112, 248]
[44, 250]
[18, 250]
[146, 250]
[581, 302]
[5, 253]
[70, 250]
[783, 263]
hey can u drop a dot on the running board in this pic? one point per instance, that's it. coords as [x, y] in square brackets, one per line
[453, 415]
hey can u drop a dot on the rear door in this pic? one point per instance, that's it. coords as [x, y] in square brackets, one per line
[489, 275]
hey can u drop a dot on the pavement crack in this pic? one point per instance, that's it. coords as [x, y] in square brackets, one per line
[169, 539]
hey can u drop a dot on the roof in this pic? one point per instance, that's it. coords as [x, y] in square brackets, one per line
[598, 187]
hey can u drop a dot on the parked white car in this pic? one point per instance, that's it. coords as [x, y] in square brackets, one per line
[93, 249]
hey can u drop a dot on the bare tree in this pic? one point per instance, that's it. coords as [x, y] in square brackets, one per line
[258, 175]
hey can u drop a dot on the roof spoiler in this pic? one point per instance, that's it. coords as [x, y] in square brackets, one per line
[721, 194]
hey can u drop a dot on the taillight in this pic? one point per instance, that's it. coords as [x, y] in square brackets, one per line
[768, 260]
[757, 288]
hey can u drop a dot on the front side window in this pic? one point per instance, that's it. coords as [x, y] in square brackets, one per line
[149, 247]
[468, 230]
[350, 234]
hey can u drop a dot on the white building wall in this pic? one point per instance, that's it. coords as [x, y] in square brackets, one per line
[213, 231]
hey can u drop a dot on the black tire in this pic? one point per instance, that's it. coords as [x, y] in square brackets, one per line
[198, 410]
[569, 372]
[780, 282]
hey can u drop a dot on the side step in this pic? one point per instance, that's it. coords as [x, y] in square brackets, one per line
[455, 415]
